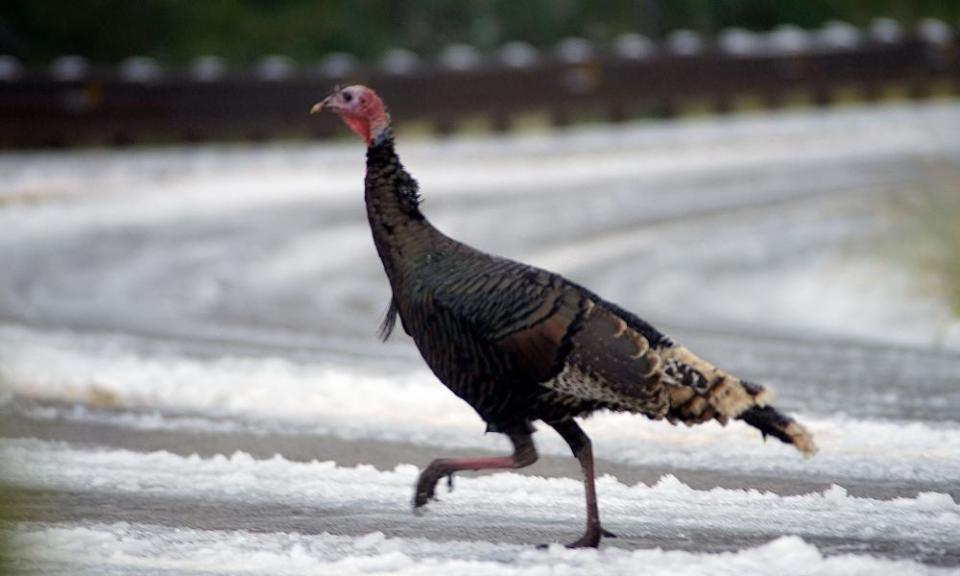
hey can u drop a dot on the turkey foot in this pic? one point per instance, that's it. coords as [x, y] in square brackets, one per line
[427, 482]
[524, 454]
[591, 538]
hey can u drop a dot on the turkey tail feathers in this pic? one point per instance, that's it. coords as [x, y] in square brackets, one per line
[771, 422]
[724, 397]
[700, 391]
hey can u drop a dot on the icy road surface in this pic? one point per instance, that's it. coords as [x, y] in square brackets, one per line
[191, 382]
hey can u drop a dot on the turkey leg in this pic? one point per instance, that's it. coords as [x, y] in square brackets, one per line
[524, 454]
[583, 451]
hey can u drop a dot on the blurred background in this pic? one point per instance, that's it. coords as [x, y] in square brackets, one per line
[115, 72]
[185, 264]
[177, 31]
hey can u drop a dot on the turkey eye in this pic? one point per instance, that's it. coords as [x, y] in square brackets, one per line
[347, 96]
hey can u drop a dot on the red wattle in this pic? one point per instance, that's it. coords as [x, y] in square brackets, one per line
[361, 126]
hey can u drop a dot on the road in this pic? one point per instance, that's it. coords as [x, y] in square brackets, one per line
[190, 374]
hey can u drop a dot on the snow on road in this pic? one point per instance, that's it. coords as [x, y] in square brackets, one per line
[150, 550]
[234, 291]
[408, 405]
[930, 519]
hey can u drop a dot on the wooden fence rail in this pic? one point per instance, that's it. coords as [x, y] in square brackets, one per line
[71, 103]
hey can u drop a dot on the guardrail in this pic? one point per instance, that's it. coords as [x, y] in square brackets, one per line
[71, 102]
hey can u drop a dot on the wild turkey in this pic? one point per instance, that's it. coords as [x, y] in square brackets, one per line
[521, 344]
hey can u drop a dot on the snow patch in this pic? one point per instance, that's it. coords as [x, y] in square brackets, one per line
[668, 506]
[142, 549]
[409, 405]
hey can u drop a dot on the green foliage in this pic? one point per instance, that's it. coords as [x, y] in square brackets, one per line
[175, 31]
[944, 224]
[930, 238]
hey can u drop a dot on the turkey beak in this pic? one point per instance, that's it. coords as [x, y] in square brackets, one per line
[325, 103]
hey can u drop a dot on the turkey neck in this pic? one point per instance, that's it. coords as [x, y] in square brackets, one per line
[400, 231]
